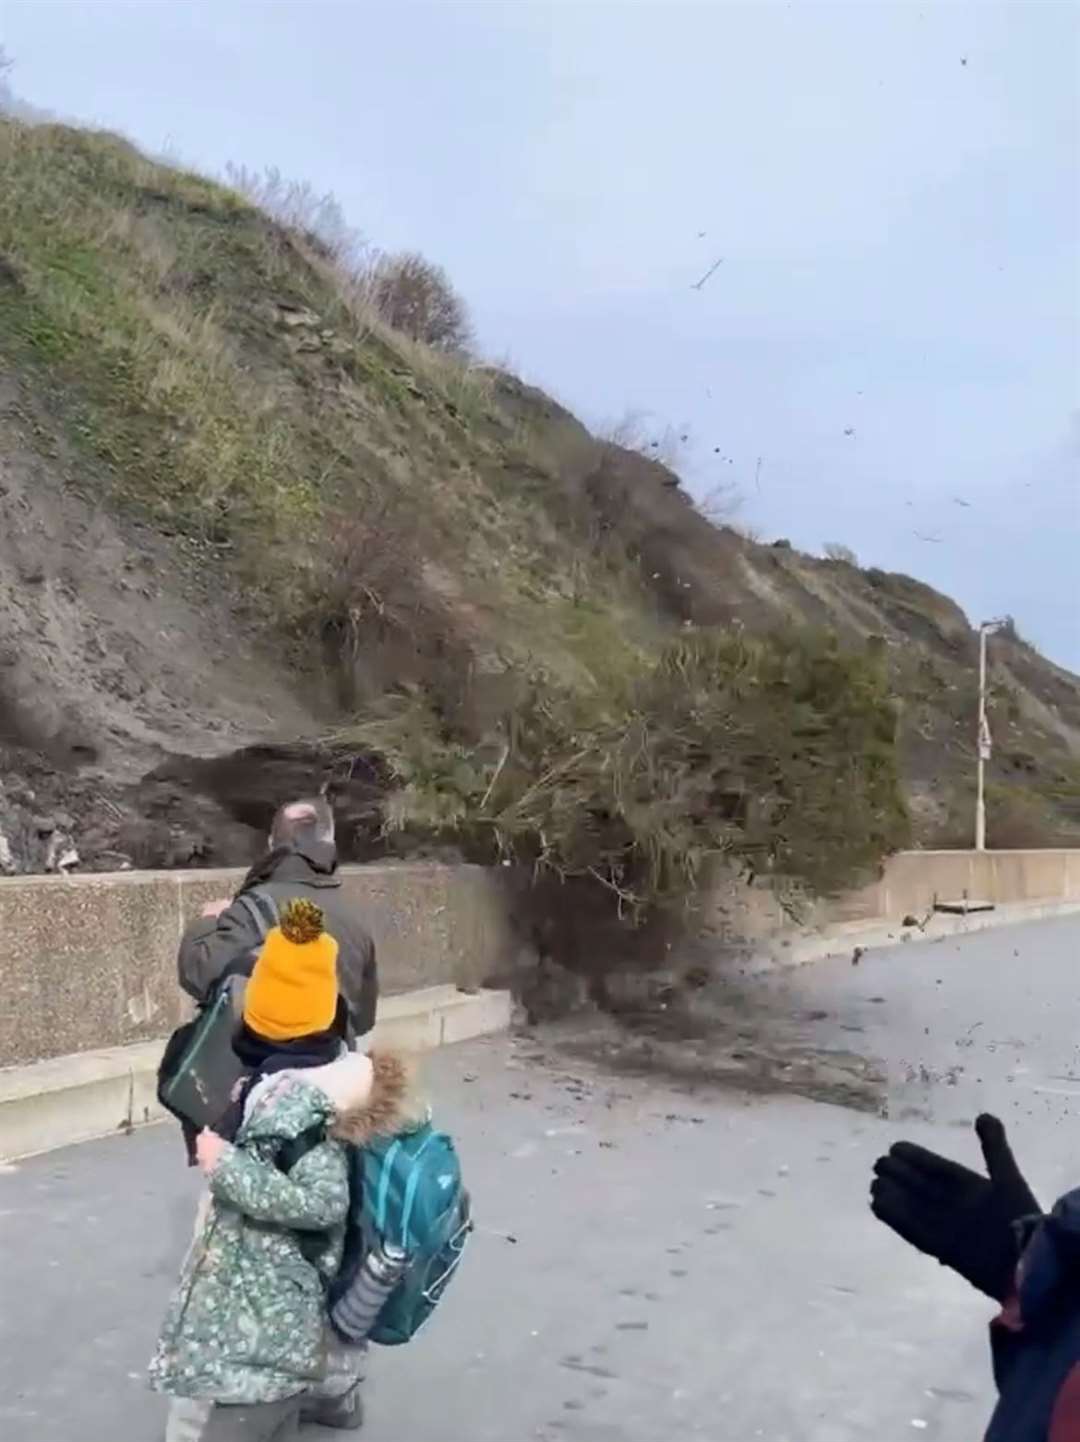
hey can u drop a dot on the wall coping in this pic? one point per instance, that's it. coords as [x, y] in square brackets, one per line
[180, 874]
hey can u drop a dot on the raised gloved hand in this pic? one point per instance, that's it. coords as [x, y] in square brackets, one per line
[963, 1219]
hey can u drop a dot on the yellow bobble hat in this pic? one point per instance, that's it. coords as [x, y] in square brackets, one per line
[293, 987]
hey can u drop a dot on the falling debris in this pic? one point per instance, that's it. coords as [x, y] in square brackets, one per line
[959, 501]
[849, 430]
[920, 536]
[700, 284]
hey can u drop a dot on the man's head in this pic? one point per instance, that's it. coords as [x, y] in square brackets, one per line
[300, 822]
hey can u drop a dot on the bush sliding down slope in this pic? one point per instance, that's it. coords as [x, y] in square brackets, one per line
[776, 752]
[486, 627]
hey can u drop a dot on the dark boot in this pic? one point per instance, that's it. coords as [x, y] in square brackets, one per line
[339, 1414]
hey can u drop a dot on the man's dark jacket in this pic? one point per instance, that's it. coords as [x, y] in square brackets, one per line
[211, 945]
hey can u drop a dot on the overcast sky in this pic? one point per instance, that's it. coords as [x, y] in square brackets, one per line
[893, 191]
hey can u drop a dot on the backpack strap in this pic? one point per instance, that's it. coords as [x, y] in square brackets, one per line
[262, 909]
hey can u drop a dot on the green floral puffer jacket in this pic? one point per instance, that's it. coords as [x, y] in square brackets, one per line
[246, 1323]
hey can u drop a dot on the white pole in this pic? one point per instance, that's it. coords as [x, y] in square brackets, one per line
[980, 793]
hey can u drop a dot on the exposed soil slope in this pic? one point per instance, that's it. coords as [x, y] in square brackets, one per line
[235, 510]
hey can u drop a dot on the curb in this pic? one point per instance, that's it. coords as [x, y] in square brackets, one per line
[842, 939]
[69, 1099]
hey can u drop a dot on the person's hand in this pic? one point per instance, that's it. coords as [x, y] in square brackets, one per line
[209, 1149]
[215, 908]
[963, 1219]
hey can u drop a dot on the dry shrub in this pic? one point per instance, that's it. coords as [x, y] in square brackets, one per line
[1018, 820]
[297, 205]
[409, 293]
[365, 591]
[415, 296]
[647, 436]
[841, 554]
[721, 504]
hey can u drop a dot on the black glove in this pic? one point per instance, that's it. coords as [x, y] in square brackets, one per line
[964, 1220]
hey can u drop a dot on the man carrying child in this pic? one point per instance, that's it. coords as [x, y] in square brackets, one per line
[245, 1335]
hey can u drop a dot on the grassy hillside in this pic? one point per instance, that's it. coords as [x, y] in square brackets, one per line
[429, 583]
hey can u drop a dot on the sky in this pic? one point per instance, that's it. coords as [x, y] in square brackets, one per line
[887, 354]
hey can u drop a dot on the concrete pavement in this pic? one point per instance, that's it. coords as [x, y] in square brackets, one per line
[653, 1260]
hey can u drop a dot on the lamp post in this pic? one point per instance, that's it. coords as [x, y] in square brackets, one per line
[982, 740]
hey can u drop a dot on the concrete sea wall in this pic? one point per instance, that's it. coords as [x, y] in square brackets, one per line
[89, 962]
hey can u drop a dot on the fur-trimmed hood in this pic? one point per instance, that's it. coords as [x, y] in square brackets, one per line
[358, 1096]
[393, 1103]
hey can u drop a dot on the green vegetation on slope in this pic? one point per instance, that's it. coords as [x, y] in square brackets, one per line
[778, 753]
[386, 513]
[228, 389]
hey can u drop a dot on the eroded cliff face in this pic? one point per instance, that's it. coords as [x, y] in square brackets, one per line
[234, 511]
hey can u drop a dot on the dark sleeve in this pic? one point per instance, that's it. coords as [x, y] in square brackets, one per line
[1065, 1418]
[369, 987]
[359, 980]
[1036, 1338]
[371, 984]
[210, 944]
[1038, 1377]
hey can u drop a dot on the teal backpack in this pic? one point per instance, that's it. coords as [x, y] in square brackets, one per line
[406, 1191]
